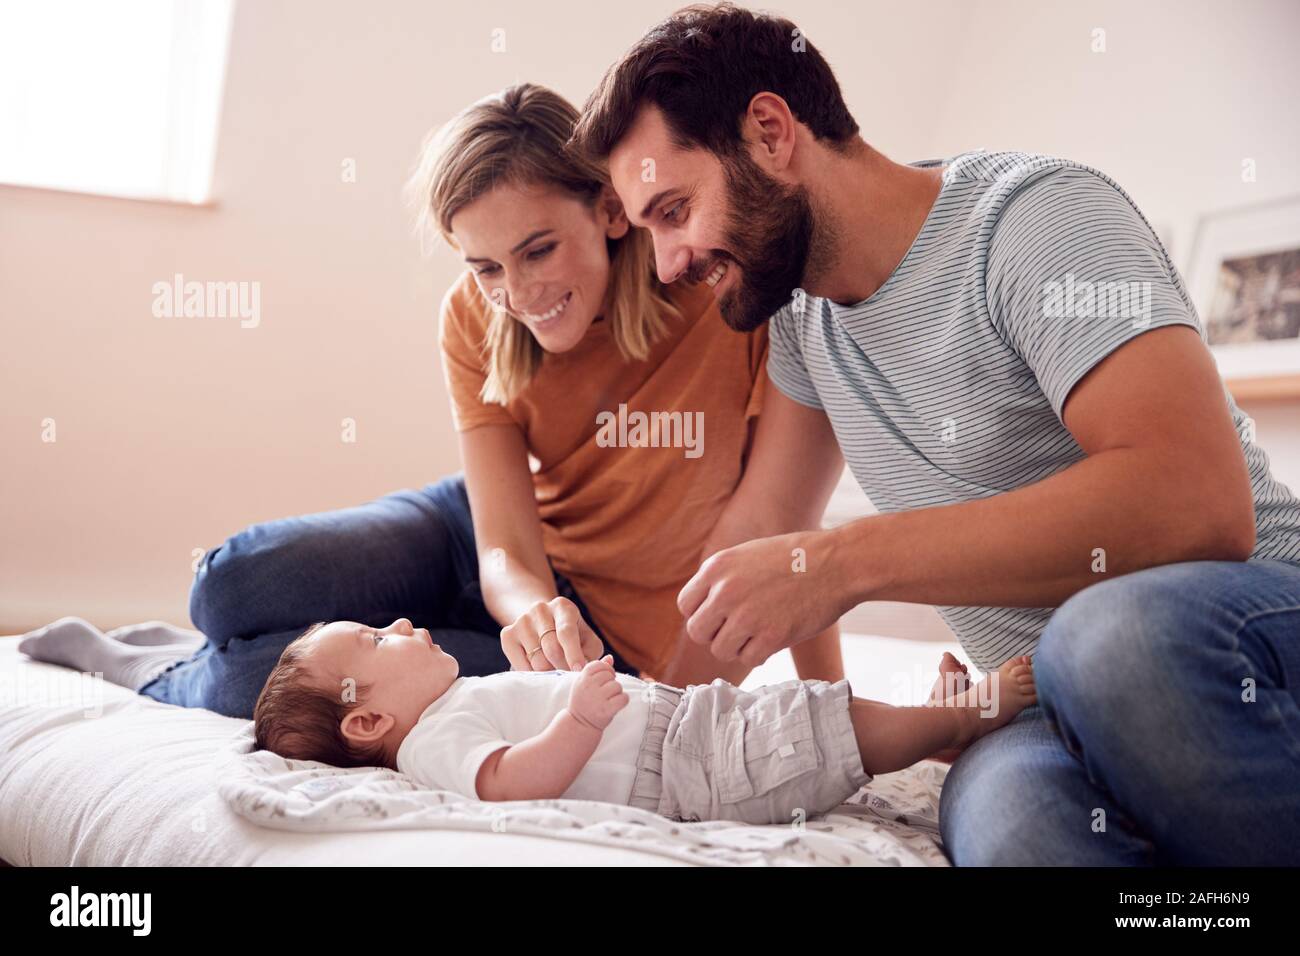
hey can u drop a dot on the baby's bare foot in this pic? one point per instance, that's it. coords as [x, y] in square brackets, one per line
[1011, 693]
[994, 701]
[953, 679]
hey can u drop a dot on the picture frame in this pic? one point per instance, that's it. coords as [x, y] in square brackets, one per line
[1244, 279]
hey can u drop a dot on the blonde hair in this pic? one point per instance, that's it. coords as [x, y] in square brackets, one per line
[518, 137]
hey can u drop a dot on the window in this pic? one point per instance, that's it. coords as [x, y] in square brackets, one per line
[120, 99]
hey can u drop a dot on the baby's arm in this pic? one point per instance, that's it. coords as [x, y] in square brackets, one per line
[545, 766]
[539, 768]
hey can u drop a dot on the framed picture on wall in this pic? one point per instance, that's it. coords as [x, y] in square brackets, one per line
[1244, 277]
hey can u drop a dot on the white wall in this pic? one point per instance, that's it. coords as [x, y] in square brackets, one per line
[173, 434]
[1183, 93]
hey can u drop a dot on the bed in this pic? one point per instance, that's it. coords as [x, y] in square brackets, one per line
[94, 775]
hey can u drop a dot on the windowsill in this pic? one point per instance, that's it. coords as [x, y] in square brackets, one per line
[127, 197]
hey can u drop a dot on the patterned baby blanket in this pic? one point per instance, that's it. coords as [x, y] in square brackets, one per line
[893, 821]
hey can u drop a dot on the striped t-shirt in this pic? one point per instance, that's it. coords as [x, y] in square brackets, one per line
[947, 384]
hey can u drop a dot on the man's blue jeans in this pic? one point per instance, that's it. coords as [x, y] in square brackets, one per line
[1167, 730]
[408, 554]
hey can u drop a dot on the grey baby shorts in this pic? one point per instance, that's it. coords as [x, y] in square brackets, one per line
[771, 755]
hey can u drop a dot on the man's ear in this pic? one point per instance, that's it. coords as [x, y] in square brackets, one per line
[768, 128]
[613, 213]
[364, 726]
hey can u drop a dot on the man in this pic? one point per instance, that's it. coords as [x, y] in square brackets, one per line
[1010, 364]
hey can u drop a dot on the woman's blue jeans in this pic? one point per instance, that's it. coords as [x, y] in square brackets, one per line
[408, 554]
[1167, 730]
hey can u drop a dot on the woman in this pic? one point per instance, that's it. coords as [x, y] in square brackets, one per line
[603, 420]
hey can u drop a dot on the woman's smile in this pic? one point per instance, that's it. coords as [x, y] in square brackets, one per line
[551, 314]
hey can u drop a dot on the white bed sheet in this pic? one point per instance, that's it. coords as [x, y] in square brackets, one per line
[95, 775]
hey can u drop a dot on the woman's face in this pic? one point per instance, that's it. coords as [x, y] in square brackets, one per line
[539, 253]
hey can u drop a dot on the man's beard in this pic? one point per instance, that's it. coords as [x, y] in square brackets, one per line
[770, 232]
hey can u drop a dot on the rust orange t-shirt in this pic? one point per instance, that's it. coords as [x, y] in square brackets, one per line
[625, 523]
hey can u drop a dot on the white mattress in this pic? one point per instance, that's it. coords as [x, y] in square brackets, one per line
[94, 775]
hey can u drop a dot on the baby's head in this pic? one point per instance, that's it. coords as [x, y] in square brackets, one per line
[347, 694]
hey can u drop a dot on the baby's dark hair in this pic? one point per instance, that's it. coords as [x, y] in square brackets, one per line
[300, 717]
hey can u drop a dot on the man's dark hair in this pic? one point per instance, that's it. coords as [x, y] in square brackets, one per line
[701, 67]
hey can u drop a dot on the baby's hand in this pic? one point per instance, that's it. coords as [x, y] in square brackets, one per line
[597, 695]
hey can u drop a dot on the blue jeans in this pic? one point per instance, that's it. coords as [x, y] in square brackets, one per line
[1167, 730]
[408, 554]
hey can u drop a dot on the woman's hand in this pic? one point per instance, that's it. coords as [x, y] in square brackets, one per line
[550, 635]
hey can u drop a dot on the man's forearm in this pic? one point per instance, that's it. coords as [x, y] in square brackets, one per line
[543, 767]
[1112, 513]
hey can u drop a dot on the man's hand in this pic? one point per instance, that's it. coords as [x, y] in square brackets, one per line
[597, 695]
[748, 602]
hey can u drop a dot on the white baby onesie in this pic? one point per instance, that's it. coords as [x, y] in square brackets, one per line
[477, 716]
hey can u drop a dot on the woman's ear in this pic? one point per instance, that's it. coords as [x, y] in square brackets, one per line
[614, 219]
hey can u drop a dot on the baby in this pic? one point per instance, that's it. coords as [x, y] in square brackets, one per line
[351, 695]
